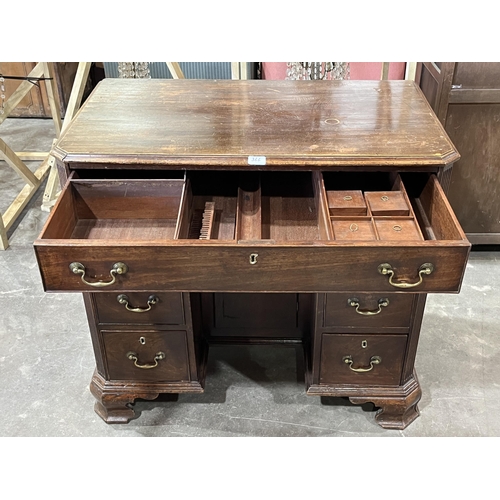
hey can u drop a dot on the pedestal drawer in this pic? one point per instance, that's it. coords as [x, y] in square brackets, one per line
[140, 308]
[146, 356]
[362, 360]
[367, 310]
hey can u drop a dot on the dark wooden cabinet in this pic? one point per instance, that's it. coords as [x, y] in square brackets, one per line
[466, 99]
[196, 213]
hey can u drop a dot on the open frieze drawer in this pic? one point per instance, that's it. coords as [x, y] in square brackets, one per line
[230, 231]
[251, 207]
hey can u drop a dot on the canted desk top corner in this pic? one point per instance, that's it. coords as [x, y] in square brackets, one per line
[221, 123]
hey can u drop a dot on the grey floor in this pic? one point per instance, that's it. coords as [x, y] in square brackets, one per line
[46, 358]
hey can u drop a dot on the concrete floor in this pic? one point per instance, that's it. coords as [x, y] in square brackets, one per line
[46, 358]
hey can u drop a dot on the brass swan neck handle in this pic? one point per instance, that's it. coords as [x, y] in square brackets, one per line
[147, 366]
[424, 269]
[374, 360]
[123, 299]
[118, 268]
[355, 303]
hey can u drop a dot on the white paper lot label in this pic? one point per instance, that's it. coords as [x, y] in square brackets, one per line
[256, 160]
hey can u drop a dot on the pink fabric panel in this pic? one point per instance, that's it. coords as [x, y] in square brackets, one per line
[273, 70]
[359, 70]
[372, 70]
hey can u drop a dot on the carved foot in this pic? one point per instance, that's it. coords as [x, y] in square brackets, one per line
[395, 412]
[113, 402]
[115, 412]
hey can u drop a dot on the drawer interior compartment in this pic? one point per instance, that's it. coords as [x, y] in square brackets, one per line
[387, 213]
[209, 207]
[289, 210]
[432, 209]
[362, 359]
[117, 209]
[250, 206]
[278, 206]
[270, 207]
[391, 213]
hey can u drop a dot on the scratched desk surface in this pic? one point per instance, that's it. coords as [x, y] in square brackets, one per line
[280, 123]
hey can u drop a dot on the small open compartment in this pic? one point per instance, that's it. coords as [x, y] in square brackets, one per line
[121, 209]
[250, 206]
[388, 213]
[278, 206]
[289, 210]
[433, 213]
[249, 216]
[209, 207]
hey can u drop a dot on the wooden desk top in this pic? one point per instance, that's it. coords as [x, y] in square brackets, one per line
[197, 123]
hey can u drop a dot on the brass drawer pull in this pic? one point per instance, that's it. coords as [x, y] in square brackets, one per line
[381, 303]
[152, 300]
[374, 360]
[133, 357]
[118, 268]
[386, 269]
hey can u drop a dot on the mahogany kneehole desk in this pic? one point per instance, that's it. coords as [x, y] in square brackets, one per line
[325, 200]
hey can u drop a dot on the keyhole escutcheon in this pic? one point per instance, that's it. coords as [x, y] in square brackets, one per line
[253, 258]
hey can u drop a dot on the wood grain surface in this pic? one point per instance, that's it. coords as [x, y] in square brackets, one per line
[339, 313]
[290, 123]
[390, 349]
[213, 266]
